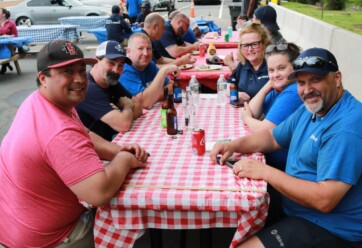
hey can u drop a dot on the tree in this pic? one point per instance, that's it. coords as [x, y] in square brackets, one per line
[335, 4]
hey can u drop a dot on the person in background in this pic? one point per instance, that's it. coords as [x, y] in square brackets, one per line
[251, 72]
[192, 33]
[273, 104]
[154, 28]
[108, 107]
[49, 161]
[248, 7]
[143, 79]
[322, 183]
[124, 15]
[7, 28]
[145, 10]
[267, 16]
[133, 9]
[171, 44]
[117, 28]
[241, 22]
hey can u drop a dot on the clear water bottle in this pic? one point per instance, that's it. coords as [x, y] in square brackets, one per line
[195, 90]
[190, 113]
[221, 91]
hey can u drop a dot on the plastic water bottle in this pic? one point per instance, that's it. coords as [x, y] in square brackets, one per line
[221, 91]
[195, 90]
[230, 32]
[190, 111]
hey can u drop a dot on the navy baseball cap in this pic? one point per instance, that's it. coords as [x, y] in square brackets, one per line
[267, 16]
[146, 5]
[317, 61]
[59, 53]
[112, 50]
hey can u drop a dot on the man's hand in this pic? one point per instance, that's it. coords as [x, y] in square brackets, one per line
[125, 102]
[196, 45]
[140, 153]
[250, 168]
[171, 69]
[186, 59]
[223, 148]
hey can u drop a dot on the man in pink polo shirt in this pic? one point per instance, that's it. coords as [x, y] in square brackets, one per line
[49, 161]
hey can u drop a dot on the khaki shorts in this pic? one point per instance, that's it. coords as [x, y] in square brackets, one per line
[82, 234]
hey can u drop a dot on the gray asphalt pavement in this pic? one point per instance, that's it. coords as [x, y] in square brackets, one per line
[15, 88]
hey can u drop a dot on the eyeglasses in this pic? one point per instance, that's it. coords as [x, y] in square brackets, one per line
[279, 47]
[253, 45]
[313, 62]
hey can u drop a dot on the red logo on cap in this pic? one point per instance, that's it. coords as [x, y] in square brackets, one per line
[69, 47]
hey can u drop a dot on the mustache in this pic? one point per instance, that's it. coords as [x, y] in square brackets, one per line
[112, 78]
[310, 95]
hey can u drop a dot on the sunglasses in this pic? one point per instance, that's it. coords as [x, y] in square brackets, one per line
[279, 47]
[313, 62]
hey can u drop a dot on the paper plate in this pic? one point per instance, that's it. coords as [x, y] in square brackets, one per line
[208, 67]
[185, 67]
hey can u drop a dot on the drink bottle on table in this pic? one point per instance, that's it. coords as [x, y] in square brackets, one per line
[164, 108]
[171, 116]
[190, 113]
[221, 91]
[234, 93]
[177, 91]
[195, 90]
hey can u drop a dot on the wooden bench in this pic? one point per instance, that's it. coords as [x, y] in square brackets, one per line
[14, 59]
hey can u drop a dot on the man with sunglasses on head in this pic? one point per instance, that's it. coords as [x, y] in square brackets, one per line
[322, 183]
[171, 44]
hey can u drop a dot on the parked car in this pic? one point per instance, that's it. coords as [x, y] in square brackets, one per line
[169, 4]
[208, 2]
[49, 11]
[101, 2]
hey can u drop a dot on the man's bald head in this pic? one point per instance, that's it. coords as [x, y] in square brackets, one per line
[154, 26]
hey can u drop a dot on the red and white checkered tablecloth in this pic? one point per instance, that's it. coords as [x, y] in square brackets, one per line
[180, 190]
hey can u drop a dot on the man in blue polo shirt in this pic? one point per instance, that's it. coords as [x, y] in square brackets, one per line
[322, 183]
[154, 27]
[133, 8]
[171, 44]
[108, 108]
[143, 79]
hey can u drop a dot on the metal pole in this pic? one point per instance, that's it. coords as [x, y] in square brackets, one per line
[322, 9]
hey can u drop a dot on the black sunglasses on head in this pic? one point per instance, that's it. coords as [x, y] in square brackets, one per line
[313, 62]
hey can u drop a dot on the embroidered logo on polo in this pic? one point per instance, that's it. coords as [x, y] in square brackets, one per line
[314, 138]
[70, 48]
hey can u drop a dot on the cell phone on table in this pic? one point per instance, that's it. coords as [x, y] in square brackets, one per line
[229, 163]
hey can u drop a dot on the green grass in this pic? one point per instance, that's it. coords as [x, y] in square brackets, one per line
[346, 19]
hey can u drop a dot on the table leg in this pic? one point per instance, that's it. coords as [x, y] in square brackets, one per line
[205, 238]
[156, 238]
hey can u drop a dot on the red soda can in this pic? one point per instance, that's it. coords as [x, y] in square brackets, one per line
[202, 50]
[198, 141]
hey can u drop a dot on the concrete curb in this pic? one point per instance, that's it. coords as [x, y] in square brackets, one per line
[309, 32]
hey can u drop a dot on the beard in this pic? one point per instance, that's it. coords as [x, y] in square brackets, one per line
[180, 31]
[314, 107]
[112, 78]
